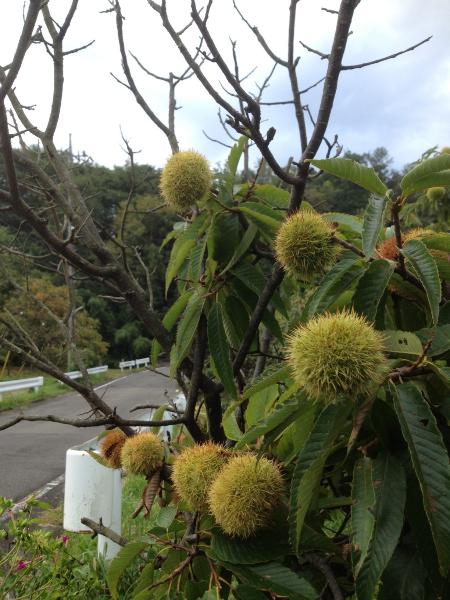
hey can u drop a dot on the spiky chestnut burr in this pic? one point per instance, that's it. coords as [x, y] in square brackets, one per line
[304, 245]
[335, 355]
[185, 179]
[111, 447]
[142, 454]
[244, 495]
[194, 470]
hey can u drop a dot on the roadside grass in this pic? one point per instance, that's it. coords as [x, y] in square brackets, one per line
[132, 529]
[46, 562]
[52, 388]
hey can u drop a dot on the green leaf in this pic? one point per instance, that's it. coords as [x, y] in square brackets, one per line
[274, 196]
[268, 544]
[223, 236]
[180, 250]
[196, 261]
[188, 326]
[348, 169]
[309, 467]
[371, 287]
[431, 464]
[404, 578]
[119, 564]
[242, 247]
[169, 320]
[350, 221]
[145, 580]
[403, 344]
[166, 516]
[336, 281]
[363, 518]
[438, 241]
[440, 336]
[265, 380]
[99, 458]
[262, 215]
[275, 578]
[373, 223]
[235, 320]
[425, 267]
[230, 426]
[428, 173]
[246, 592]
[219, 349]
[390, 492]
[255, 281]
[228, 176]
[283, 414]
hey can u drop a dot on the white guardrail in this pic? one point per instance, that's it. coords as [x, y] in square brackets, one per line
[32, 383]
[91, 371]
[129, 364]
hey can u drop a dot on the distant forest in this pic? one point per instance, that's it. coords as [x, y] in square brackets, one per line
[108, 330]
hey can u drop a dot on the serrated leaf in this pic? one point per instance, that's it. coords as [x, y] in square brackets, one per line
[145, 580]
[262, 215]
[231, 427]
[270, 194]
[336, 281]
[124, 558]
[219, 349]
[166, 516]
[223, 236]
[431, 464]
[350, 221]
[426, 269]
[235, 320]
[276, 578]
[169, 320]
[402, 343]
[404, 578]
[265, 380]
[437, 241]
[371, 287]
[268, 544]
[309, 467]
[348, 169]
[255, 281]
[242, 247]
[196, 261]
[99, 459]
[283, 414]
[440, 337]
[188, 326]
[428, 173]
[227, 177]
[390, 492]
[362, 515]
[178, 255]
[373, 223]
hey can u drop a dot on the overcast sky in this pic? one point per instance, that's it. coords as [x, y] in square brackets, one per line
[403, 104]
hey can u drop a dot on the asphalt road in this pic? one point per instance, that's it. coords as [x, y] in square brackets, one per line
[32, 454]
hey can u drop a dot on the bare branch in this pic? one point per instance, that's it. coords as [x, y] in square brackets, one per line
[99, 528]
[34, 7]
[86, 423]
[260, 39]
[384, 58]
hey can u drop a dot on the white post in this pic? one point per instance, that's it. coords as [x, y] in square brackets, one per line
[93, 491]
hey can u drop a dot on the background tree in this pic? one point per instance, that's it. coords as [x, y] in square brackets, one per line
[354, 479]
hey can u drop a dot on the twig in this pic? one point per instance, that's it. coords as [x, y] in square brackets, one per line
[99, 528]
[325, 569]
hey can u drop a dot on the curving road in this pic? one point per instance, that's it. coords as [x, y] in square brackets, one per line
[32, 454]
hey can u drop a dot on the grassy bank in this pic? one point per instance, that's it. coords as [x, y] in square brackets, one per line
[51, 388]
[46, 562]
